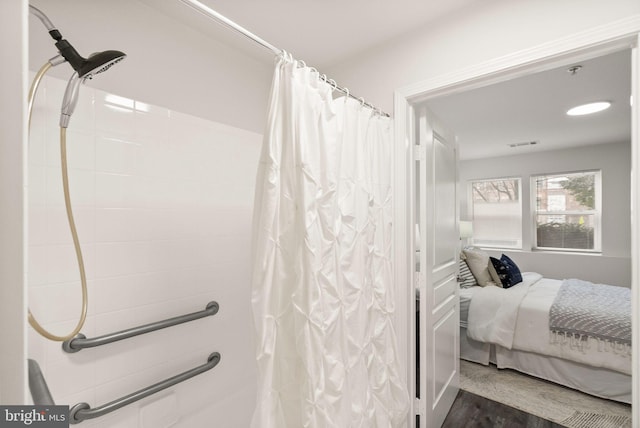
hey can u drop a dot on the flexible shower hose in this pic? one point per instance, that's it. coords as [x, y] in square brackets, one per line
[72, 225]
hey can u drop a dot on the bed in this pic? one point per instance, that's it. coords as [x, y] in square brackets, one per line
[512, 328]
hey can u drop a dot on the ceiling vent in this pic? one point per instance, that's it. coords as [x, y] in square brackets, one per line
[525, 143]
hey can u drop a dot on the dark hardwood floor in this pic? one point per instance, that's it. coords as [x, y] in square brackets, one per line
[472, 411]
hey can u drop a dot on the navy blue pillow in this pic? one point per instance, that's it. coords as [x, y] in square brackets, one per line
[507, 271]
[516, 276]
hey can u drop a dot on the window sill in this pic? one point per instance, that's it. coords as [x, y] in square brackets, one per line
[571, 252]
[542, 251]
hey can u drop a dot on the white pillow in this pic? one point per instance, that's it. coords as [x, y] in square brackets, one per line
[478, 262]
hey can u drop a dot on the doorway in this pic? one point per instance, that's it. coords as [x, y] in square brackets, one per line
[408, 100]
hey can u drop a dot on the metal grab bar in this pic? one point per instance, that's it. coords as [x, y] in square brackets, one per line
[83, 411]
[38, 386]
[80, 341]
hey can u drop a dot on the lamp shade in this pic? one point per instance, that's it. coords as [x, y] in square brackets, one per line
[466, 229]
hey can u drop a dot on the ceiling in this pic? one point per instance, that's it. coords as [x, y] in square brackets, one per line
[322, 33]
[532, 108]
[486, 120]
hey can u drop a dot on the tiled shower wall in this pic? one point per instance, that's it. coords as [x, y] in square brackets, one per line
[163, 204]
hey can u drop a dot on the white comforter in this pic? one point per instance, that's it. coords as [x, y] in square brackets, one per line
[518, 318]
[493, 311]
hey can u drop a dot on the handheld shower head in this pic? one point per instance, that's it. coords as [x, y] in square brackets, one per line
[85, 67]
[88, 67]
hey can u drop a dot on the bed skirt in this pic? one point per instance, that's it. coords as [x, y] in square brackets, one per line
[595, 381]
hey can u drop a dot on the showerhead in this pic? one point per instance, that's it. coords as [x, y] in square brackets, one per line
[99, 62]
[85, 68]
[88, 67]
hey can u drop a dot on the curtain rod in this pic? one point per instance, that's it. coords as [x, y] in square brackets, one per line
[210, 13]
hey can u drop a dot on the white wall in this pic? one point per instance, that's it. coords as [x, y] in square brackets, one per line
[489, 30]
[163, 204]
[613, 266]
[13, 45]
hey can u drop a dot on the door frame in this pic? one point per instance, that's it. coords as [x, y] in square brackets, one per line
[14, 82]
[622, 34]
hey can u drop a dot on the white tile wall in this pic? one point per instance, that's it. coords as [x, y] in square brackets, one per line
[163, 205]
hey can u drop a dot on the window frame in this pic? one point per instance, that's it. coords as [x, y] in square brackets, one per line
[470, 211]
[596, 212]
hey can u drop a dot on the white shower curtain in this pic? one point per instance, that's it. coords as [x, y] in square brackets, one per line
[322, 273]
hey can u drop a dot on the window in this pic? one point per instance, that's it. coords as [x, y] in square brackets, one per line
[567, 211]
[496, 211]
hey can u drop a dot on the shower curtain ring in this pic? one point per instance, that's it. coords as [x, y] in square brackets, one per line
[361, 101]
[324, 77]
[346, 91]
[333, 84]
[286, 56]
[302, 63]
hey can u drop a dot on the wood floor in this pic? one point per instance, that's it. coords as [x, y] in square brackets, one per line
[472, 411]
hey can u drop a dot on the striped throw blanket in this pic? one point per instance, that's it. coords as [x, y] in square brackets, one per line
[582, 310]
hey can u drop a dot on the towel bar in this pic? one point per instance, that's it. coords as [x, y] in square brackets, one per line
[83, 411]
[80, 341]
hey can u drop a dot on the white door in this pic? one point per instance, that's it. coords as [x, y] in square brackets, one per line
[438, 314]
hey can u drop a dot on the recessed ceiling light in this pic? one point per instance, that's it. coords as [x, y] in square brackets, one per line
[589, 108]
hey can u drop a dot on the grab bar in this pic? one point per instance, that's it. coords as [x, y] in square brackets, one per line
[83, 411]
[80, 341]
[38, 385]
